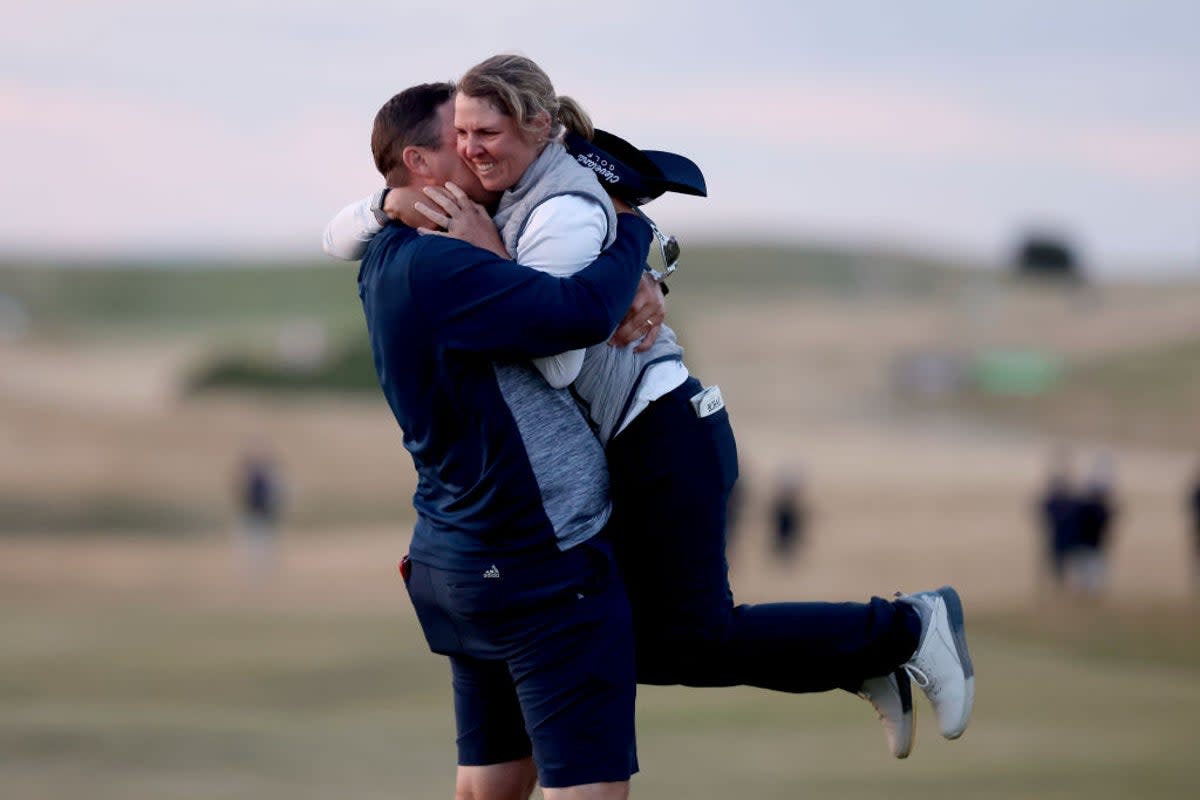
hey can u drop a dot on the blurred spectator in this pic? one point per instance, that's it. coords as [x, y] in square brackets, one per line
[1194, 513]
[1095, 512]
[260, 499]
[789, 514]
[1057, 511]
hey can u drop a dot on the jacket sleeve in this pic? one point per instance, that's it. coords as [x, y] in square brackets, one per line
[347, 235]
[481, 303]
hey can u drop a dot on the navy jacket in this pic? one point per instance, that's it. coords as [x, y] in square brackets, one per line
[507, 467]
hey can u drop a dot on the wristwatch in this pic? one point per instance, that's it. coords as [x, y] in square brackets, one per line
[377, 206]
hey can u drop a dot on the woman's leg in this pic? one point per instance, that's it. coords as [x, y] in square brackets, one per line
[672, 472]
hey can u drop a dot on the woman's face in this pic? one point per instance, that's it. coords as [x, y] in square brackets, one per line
[490, 141]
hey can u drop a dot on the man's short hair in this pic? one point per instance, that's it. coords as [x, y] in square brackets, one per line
[407, 120]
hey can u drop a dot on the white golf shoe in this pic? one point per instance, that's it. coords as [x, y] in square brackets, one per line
[941, 665]
[891, 695]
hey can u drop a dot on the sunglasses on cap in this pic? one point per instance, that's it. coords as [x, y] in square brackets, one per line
[668, 249]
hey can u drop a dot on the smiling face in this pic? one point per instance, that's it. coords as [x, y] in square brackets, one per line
[446, 165]
[493, 144]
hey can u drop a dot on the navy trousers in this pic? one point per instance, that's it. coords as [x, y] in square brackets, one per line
[672, 472]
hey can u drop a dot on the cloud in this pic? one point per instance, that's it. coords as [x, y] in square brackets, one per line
[886, 120]
[1153, 154]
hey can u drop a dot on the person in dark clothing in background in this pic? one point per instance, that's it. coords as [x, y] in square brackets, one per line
[259, 493]
[1194, 514]
[789, 515]
[1057, 514]
[1094, 514]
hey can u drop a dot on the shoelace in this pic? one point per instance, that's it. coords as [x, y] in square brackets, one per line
[918, 675]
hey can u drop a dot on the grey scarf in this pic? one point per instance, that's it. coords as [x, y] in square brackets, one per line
[554, 172]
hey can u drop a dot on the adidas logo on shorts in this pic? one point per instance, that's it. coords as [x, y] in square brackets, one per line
[491, 572]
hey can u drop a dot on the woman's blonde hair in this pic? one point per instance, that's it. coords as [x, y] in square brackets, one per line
[519, 88]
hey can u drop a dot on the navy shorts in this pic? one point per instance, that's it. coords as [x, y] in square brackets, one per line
[542, 660]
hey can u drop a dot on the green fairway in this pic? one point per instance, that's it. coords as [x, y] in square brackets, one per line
[191, 700]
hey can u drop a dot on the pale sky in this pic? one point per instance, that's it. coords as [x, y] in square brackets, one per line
[225, 128]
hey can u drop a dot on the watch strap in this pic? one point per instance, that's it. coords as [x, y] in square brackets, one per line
[377, 206]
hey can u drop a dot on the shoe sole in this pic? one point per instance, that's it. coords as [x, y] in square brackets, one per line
[904, 688]
[954, 613]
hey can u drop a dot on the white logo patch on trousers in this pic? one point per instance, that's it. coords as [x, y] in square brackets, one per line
[708, 401]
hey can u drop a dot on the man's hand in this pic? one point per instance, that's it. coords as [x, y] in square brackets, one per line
[642, 321]
[462, 218]
[393, 205]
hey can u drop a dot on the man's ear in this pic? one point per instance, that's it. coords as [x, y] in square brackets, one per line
[415, 161]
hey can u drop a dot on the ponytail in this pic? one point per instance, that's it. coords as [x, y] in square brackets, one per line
[572, 117]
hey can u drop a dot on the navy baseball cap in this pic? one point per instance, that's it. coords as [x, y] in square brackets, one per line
[636, 176]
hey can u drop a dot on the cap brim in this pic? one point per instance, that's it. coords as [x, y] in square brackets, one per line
[636, 176]
[679, 174]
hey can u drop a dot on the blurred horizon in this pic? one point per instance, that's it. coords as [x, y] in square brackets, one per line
[1130, 272]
